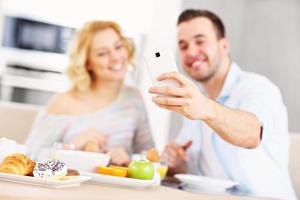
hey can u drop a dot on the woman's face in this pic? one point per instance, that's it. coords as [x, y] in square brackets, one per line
[108, 57]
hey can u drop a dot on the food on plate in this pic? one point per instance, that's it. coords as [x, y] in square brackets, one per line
[72, 172]
[18, 164]
[119, 167]
[54, 169]
[113, 171]
[141, 170]
[153, 155]
[92, 146]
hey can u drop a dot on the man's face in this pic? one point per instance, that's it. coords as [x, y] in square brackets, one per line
[201, 51]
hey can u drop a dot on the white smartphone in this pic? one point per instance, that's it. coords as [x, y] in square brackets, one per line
[159, 61]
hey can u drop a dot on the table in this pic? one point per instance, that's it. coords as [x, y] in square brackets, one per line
[15, 191]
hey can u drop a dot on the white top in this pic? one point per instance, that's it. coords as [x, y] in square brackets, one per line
[262, 171]
[124, 121]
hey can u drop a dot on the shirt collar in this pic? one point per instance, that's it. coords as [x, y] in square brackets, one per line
[231, 79]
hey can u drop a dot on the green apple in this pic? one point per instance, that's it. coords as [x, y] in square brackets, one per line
[141, 170]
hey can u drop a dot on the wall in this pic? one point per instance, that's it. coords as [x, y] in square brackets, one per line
[271, 46]
[265, 38]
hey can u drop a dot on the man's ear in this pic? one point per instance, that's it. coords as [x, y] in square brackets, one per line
[225, 45]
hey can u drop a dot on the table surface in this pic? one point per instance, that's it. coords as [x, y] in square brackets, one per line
[16, 191]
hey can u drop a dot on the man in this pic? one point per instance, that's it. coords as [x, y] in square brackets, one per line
[236, 121]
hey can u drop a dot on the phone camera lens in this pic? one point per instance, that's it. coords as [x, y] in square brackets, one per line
[157, 54]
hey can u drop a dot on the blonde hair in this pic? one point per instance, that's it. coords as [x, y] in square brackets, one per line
[77, 71]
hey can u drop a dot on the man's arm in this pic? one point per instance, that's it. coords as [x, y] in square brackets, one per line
[235, 126]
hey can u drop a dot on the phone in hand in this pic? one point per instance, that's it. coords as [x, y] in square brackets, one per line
[159, 61]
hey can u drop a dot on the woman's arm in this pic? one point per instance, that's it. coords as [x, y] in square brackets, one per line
[47, 128]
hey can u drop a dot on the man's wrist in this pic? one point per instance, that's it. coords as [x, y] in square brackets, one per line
[210, 110]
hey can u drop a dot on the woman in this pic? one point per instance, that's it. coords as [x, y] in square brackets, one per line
[98, 113]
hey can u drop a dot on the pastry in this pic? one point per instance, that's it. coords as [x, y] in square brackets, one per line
[92, 146]
[54, 169]
[17, 164]
[153, 156]
[72, 172]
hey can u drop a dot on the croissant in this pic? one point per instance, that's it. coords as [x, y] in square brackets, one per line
[17, 164]
[92, 146]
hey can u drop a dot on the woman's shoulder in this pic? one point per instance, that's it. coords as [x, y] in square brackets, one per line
[60, 103]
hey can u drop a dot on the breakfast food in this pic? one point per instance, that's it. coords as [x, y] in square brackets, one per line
[113, 171]
[17, 164]
[141, 169]
[20, 164]
[72, 172]
[152, 155]
[54, 169]
[92, 146]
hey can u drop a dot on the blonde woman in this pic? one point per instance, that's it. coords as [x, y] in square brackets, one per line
[99, 113]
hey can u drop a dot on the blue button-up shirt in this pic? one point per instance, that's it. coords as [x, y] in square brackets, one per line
[262, 171]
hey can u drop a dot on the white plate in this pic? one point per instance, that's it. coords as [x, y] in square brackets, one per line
[122, 181]
[43, 182]
[205, 183]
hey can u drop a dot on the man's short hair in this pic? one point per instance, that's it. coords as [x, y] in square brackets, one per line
[190, 14]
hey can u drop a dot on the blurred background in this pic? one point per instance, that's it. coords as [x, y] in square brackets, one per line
[34, 36]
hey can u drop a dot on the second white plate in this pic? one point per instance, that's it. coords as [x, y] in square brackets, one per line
[205, 183]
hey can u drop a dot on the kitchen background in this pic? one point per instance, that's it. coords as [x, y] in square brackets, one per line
[264, 34]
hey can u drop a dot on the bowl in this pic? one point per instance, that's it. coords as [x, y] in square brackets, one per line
[82, 160]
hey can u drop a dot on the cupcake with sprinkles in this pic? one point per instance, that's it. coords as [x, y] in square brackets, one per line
[54, 169]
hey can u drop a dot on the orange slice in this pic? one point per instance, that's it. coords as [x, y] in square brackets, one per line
[112, 171]
[118, 167]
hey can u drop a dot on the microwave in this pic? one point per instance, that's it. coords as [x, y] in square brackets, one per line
[35, 35]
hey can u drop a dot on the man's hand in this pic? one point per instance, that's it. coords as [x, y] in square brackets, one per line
[186, 99]
[176, 157]
[88, 137]
[238, 127]
[119, 156]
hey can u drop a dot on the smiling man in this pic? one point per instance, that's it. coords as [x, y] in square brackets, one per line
[236, 122]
